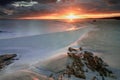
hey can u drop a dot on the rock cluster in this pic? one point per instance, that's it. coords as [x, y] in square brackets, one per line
[83, 65]
[6, 59]
[82, 59]
[76, 67]
[96, 64]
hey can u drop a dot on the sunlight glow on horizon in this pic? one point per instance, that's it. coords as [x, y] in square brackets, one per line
[72, 28]
[72, 16]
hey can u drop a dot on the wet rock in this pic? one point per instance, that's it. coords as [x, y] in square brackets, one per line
[80, 75]
[51, 75]
[71, 49]
[80, 48]
[6, 59]
[83, 63]
[94, 78]
[92, 62]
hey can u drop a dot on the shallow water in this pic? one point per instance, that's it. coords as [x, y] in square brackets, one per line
[32, 47]
[20, 28]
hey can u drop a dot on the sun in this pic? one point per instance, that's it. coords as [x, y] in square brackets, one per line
[71, 16]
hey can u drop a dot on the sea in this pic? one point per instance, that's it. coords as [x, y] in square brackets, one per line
[37, 40]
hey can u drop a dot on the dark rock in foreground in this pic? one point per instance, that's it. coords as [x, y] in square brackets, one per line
[84, 63]
[6, 59]
[87, 59]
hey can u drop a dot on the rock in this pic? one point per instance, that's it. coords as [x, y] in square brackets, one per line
[76, 67]
[88, 53]
[86, 70]
[82, 75]
[71, 49]
[80, 49]
[92, 62]
[94, 78]
[6, 59]
[51, 75]
[113, 76]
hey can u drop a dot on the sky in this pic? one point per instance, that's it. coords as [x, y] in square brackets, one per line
[52, 9]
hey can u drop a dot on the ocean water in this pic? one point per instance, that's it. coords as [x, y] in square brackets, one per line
[105, 40]
[20, 28]
[35, 40]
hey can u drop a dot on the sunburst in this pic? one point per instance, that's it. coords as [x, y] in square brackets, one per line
[71, 16]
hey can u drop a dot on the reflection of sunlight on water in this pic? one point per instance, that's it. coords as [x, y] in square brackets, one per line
[72, 28]
[69, 20]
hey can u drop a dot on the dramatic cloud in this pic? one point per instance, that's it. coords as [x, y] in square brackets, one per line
[113, 2]
[53, 8]
[5, 2]
[112, 5]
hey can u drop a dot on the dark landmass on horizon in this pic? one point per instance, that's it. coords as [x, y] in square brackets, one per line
[117, 18]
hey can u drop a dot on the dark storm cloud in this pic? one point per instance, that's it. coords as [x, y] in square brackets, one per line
[5, 2]
[102, 6]
[113, 2]
[112, 5]
[87, 6]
